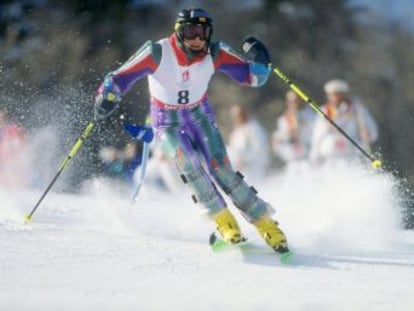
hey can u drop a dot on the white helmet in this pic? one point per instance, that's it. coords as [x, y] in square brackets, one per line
[336, 86]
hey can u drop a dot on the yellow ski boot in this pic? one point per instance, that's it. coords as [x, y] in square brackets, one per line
[228, 227]
[271, 233]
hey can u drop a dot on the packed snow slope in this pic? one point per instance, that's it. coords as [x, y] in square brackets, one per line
[94, 251]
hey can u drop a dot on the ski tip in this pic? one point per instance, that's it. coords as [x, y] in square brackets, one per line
[27, 219]
[285, 258]
[216, 244]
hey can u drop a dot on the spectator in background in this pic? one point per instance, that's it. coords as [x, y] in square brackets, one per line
[291, 140]
[14, 164]
[248, 144]
[131, 159]
[160, 172]
[354, 118]
[120, 163]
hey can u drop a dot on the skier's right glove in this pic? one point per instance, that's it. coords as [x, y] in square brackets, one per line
[107, 99]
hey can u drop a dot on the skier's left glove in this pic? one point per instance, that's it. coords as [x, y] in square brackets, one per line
[143, 133]
[255, 51]
[260, 66]
[107, 99]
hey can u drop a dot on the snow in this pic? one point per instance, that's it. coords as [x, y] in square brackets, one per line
[93, 251]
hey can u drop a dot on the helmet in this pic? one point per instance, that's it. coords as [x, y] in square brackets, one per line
[191, 23]
[336, 86]
[193, 16]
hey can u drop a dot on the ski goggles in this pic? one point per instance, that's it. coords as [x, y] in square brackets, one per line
[192, 31]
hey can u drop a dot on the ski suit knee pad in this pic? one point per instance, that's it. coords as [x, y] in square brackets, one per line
[242, 195]
[204, 190]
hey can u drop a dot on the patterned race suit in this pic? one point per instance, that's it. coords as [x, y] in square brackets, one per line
[183, 119]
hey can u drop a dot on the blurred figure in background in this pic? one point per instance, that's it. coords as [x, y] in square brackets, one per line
[14, 164]
[248, 144]
[161, 173]
[112, 161]
[120, 163]
[131, 159]
[354, 118]
[291, 140]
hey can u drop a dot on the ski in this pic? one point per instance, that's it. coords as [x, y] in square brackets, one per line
[285, 258]
[217, 244]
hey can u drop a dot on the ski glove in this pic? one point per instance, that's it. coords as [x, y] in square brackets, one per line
[256, 51]
[107, 99]
[143, 133]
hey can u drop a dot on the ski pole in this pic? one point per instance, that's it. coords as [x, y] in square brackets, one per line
[142, 169]
[79, 142]
[374, 162]
[138, 132]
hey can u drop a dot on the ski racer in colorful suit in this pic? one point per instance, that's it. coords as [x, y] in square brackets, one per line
[179, 69]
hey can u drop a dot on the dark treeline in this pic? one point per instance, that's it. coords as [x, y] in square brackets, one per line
[53, 55]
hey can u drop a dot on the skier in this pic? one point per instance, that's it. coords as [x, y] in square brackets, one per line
[349, 113]
[179, 69]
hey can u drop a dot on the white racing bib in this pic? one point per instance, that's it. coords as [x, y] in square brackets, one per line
[173, 84]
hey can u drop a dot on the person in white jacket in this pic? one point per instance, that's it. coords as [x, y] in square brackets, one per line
[248, 144]
[291, 140]
[353, 117]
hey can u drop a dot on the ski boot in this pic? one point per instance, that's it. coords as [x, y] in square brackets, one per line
[227, 226]
[271, 233]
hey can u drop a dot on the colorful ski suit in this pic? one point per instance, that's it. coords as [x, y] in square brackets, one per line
[184, 121]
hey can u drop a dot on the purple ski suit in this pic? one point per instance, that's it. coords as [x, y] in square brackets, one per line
[184, 121]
